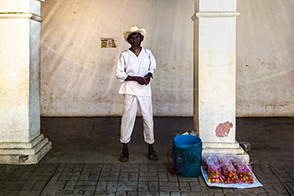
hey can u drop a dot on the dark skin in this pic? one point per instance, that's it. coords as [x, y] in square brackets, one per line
[135, 39]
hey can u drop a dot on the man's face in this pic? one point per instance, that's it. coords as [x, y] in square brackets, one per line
[135, 39]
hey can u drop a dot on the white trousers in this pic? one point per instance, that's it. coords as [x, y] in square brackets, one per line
[129, 117]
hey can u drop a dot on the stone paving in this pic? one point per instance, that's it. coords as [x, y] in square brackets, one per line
[130, 180]
[83, 162]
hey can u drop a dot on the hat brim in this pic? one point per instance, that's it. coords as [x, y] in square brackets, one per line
[127, 33]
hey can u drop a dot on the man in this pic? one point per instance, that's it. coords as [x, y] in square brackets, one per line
[135, 68]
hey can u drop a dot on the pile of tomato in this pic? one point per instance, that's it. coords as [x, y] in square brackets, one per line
[227, 170]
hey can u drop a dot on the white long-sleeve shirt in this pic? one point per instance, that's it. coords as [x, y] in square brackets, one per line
[131, 65]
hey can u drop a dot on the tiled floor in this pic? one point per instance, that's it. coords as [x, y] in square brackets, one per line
[84, 160]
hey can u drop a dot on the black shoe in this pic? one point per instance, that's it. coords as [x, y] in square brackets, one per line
[124, 157]
[152, 155]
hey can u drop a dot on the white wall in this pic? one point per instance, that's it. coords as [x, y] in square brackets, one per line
[78, 77]
[265, 60]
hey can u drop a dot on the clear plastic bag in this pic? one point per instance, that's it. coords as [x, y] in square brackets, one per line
[213, 168]
[228, 170]
[244, 172]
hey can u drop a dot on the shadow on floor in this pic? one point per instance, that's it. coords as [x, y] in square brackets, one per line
[96, 140]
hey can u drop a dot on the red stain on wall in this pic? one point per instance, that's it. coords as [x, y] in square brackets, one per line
[223, 129]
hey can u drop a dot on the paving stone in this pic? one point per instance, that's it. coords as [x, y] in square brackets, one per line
[70, 185]
[69, 167]
[192, 194]
[202, 182]
[78, 193]
[257, 190]
[109, 175]
[61, 192]
[78, 167]
[269, 188]
[132, 194]
[185, 187]
[68, 177]
[188, 179]
[16, 175]
[86, 183]
[93, 167]
[148, 176]
[101, 186]
[148, 194]
[175, 194]
[85, 187]
[231, 194]
[127, 186]
[262, 194]
[220, 194]
[130, 167]
[133, 176]
[124, 176]
[172, 178]
[94, 176]
[195, 187]
[105, 194]
[228, 190]
[28, 185]
[25, 175]
[152, 167]
[121, 179]
[143, 186]
[111, 186]
[39, 185]
[59, 185]
[71, 173]
[85, 175]
[143, 168]
[56, 175]
[169, 186]
[279, 188]
[49, 188]
[290, 185]
[266, 169]
[121, 194]
[162, 168]
[28, 193]
[10, 193]
[284, 177]
[163, 176]
[106, 168]
[153, 186]
[39, 177]
[88, 193]
[116, 167]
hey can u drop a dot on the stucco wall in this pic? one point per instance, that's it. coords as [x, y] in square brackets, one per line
[265, 60]
[78, 77]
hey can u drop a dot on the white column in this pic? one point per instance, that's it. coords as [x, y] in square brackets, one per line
[215, 75]
[20, 139]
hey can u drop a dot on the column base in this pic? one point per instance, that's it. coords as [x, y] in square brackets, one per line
[225, 148]
[24, 152]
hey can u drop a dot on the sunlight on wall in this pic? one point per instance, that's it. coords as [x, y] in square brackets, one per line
[78, 77]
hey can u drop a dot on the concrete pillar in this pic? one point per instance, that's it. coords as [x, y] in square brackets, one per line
[215, 75]
[20, 138]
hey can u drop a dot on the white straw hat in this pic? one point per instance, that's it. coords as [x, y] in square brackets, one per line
[134, 30]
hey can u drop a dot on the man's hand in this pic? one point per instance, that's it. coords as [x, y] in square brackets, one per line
[147, 78]
[141, 80]
[138, 79]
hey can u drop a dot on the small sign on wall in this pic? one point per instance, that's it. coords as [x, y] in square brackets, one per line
[108, 42]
